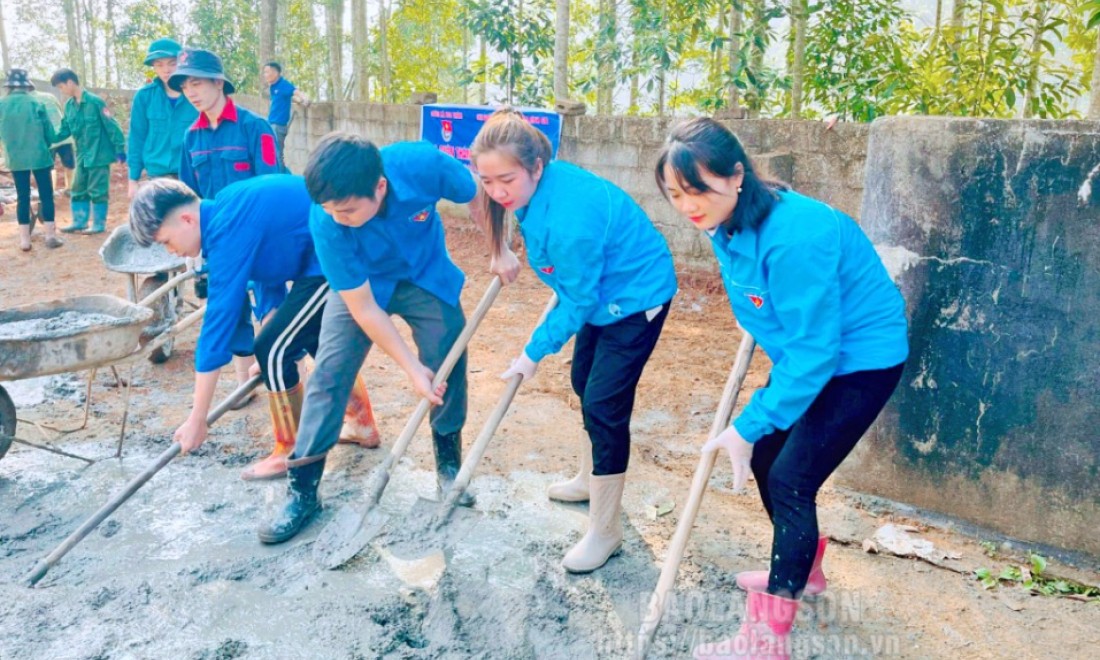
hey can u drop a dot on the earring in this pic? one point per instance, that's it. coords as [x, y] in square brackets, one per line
[738, 190]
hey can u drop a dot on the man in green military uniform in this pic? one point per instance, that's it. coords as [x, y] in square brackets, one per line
[159, 118]
[27, 134]
[63, 150]
[99, 142]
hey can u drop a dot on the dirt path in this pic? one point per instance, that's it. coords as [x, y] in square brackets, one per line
[177, 572]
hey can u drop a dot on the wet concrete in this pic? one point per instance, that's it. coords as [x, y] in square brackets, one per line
[64, 323]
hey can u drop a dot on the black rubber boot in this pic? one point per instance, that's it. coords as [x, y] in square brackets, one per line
[448, 461]
[302, 503]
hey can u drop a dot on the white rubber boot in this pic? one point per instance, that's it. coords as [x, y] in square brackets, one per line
[605, 526]
[576, 489]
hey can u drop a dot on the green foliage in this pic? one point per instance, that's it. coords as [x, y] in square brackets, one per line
[522, 33]
[144, 22]
[230, 28]
[301, 48]
[857, 56]
[1031, 577]
[428, 35]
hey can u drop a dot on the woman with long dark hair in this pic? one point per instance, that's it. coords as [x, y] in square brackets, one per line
[612, 272]
[806, 282]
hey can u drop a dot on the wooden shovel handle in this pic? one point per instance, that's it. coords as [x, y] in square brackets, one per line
[657, 602]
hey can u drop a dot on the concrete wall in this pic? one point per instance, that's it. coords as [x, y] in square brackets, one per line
[993, 231]
[825, 164]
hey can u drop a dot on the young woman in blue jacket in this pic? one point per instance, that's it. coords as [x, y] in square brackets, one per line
[806, 282]
[612, 272]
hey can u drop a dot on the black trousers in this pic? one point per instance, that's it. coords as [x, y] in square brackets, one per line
[23, 194]
[292, 332]
[790, 467]
[607, 365]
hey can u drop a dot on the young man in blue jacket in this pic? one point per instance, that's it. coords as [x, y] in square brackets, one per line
[257, 232]
[283, 92]
[159, 119]
[381, 246]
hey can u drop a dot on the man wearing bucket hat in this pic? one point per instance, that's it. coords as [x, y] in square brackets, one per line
[159, 119]
[226, 143]
[99, 142]
[27, 134]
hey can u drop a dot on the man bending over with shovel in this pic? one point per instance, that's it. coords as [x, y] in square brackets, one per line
[255, 230]
[381, 246]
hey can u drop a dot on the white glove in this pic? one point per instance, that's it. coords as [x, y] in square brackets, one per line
[740, 452]
[522, 365]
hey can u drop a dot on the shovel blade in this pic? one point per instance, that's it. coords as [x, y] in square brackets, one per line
[346, 535]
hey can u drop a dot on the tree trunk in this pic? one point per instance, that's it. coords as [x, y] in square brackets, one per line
[483, 56]
[89, 45]
[735, 54]
[939, 21]
[958, 10]
[360, 49]
[756, 61]
[799, 18]
[4, 42]
[1040, 11]
[72, 31]
[605, 64]
[110, 55]
[269, 10]
[1094, 97]
[561, 50]
[384, 52]
[334, 34]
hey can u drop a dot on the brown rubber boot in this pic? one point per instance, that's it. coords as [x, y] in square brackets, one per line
[286, 410]
[359, 425]
[604, 537]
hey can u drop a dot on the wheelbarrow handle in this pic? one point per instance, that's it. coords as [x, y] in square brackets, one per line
[44, 565]
[173, 282]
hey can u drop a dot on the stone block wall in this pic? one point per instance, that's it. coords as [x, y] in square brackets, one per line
[824, 164]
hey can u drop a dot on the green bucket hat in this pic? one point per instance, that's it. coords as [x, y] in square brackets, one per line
[198, 63]
[160, 49]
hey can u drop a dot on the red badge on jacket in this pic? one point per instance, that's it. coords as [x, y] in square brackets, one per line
[757, 301]
[549, 270]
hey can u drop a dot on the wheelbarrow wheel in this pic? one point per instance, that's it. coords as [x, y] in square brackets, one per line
[7, 421]
[163, 315]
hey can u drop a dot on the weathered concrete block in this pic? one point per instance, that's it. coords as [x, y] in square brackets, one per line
[778, 165]
[993, 231]
[568, 107]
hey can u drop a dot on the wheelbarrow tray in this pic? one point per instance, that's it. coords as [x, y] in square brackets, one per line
[121, 253]
[75, 346]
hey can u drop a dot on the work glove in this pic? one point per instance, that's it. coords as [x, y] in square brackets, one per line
[522, 365]
[121, 157]
[740, 452]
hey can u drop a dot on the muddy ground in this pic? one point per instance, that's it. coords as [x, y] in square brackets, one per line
[177, 572]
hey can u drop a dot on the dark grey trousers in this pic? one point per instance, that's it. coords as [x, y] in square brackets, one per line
[343, 347]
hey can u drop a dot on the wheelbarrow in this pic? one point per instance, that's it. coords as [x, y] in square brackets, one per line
[121, 254]
[75, 334]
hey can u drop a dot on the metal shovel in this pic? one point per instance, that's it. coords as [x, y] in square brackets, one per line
[440, 512]
[350, 530]
[658, 601]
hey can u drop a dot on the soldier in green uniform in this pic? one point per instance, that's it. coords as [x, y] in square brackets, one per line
[63, 150]
[99, 142]
[27, 134]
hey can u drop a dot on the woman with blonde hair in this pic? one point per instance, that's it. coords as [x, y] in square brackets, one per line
[612, 272]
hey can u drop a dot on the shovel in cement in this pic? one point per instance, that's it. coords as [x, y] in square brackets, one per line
[137, 482]
[350, 530]
[438, 513]
[659, 600]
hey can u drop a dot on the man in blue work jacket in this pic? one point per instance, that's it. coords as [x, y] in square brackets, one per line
[381, 245]
[159, 119]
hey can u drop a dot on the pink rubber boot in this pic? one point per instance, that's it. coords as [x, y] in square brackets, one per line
[815, 585]
[765, 634]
